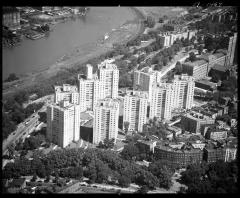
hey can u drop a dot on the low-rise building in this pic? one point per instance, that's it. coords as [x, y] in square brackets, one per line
[206, 85]
[178, 157]
[194, 121]
[198, 69]
[220, 70]
[147, 146]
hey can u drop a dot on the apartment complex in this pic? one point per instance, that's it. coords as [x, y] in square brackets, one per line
[167, 96]
[66, 92]
[105, 123]
[161, 101]
[63, 123]
[109, 75]
[91, 90]
[183, 91]
[144, 80]
[135, 110]
[168, 38]
[11, 18]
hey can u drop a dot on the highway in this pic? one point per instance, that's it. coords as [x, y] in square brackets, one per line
[24, 130]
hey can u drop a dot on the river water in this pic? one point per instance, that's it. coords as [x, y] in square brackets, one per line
[35, 55]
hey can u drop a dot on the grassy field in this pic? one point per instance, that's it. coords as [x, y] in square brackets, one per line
[157, 12]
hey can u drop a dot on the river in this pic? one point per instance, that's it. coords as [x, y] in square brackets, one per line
[36, 55]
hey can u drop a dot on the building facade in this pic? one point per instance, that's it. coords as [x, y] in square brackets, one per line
[109, 75]
[194, 121]
[66, 92]
[90, 90]
[63, 123]
[162, 100]
[198, 69]
[145, 79]
[135, 110]
[11, 18]
[105, 123]
[183, 91]
[178, 158]
[232, 48]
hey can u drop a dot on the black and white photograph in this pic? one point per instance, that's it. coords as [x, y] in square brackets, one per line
[120, 99]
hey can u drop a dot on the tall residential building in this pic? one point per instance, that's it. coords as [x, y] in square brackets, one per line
[161, 101]
[135, 110]
[11, 18]
[167, 96]
[63, 123]
[66, 92]
[183, 91]
[105, 123]
[109, 75]
[90, 90]
[232, 48]
[144, 80]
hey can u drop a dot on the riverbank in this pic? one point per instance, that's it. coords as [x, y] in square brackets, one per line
[80, 55]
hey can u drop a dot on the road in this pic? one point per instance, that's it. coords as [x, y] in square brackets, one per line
[22, 129]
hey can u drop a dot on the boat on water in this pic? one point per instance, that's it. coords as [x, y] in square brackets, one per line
[106, 36]
[35, 36]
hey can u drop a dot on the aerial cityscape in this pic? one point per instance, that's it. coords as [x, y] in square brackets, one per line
[119, 100]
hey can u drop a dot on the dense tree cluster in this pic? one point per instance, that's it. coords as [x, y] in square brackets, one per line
[106, 144]
[217, 177]
[102, 166]
[15, 114]
[11, 78]
[155, 127]
[150, 22]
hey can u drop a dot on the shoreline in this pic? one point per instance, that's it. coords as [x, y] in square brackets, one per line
[82, 54]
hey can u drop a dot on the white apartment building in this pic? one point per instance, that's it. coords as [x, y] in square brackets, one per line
[105, 123]
[109, 74]
[90, 90]
[183, 91]
[161, 101]
[63, 123]
[167, 96]
[66, 92]
[144, 80]
[135, 110]
[168, 38]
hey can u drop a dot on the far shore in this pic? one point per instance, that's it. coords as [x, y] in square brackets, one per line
[80, 55]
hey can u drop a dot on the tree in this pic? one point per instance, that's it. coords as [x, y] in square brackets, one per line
[150, 22]
[34, 178]
[11, 77]
[178, 67]
[129, 151]
[200, 49]
[126, 126]
[143, 190]
[192, 56]
[165, 61]
[124, 181]
[109, 143]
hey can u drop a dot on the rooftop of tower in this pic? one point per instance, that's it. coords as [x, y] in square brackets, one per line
[107, 64]
[108, 103]
[66, 88]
